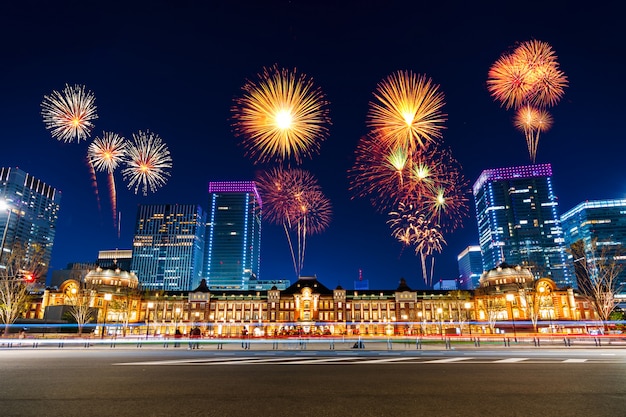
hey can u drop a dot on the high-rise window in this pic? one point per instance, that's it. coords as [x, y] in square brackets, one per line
[232, 254]
[168, 246]
[518, 221]
[28, 215]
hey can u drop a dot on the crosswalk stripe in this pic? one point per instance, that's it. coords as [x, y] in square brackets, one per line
[448, 360]
[338, 360]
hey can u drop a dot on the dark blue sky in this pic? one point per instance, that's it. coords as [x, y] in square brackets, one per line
[175, 67]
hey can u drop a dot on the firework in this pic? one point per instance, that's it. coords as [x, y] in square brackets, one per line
[411, 226]
[378, 171]
[106, 153]
[429, 241]
[147, 160]
[69, 114]
[407, 112]
[508, 82]
[293, 199]
[280, 116]
[532, 122]
[530, 75]
[528, 80]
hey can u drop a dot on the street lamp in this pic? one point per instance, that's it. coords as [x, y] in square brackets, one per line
[176, 317]
[107, 298]
[440, 314]
[467, 306]
[148, 307]
[510, 298]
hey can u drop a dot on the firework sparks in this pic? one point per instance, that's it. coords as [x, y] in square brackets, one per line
[292, 198]
[407, 112]
[532, 122]
[69, 114]
[528, 80]
[508, 82]
[411, 226]
[280, 116]
[106, 153]
[147, 159]
[378, 171]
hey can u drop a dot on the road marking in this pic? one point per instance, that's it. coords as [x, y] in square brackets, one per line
[448, 360]
[341, 360]
[383, 360]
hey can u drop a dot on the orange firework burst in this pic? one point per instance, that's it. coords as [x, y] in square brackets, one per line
[69, 114]
[407, 112]
[508, 82]
[147, 159]
[528, 80]
[532, 122]
[106, 153]
[293, 199]
[280, 116]
[530, 74]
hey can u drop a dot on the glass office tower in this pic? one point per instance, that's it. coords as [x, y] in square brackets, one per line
[28, 215]
[518, 221]
[233, 246]
[602, 221]
[470, 263]
[168, 246]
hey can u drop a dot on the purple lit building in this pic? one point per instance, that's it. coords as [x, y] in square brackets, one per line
[518, 221]
[233, 245]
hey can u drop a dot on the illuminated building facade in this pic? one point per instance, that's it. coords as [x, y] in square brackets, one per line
[518, 221]
[168, 246]
[232, 253]
[308, 307]
[470, 263]
[115, 258]
[602, 222]
[28, 215]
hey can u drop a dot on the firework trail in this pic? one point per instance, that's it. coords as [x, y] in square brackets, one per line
[94, 183]
[281, 115]
[293, 199]
[532, 122]
[69, 114]
[146, 161]
[106, 153]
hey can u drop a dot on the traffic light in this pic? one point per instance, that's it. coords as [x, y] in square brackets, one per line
[29, 278]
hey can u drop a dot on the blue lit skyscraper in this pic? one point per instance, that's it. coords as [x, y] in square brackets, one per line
[470, 263]
[234, 235]
[168, 246]
[602, 221]
[28, 215]
[518, 221]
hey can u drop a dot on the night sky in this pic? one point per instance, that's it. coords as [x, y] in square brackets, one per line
[175, 67]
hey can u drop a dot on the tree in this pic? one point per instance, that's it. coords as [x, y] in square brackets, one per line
[19, 273]
[597, 272]
[81, 305]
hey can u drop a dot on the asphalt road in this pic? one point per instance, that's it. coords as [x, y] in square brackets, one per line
[101, 381]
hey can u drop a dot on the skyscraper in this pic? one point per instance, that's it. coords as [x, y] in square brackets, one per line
[518, 221]
[470, 263]
[602, 221]
[28, 215]
[234, 236]
[168, 246]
